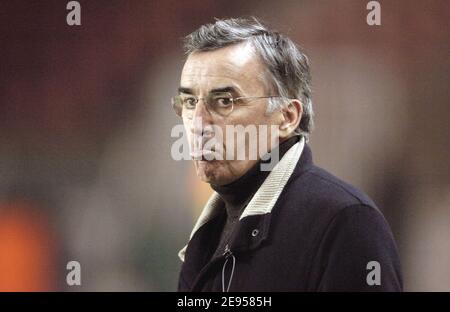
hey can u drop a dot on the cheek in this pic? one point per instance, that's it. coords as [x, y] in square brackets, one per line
[245, 139]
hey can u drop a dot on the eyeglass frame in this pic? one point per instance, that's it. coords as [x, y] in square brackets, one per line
[233, 101]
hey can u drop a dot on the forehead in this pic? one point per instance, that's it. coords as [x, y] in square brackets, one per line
[236, 65]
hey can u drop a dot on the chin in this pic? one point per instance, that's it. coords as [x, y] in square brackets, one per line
[211, 172]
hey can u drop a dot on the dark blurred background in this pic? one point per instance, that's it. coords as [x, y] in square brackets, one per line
[85, 120]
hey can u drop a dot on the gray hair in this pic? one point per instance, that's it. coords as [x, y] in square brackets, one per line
[288, 68]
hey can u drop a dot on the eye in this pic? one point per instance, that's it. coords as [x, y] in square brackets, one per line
[224, 101]
[189, 102]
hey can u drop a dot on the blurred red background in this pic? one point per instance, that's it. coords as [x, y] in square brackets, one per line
[85, 119]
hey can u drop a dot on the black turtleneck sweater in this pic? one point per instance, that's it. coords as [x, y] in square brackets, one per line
[238, 193]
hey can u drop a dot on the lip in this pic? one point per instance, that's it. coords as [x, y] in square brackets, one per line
[201, 154]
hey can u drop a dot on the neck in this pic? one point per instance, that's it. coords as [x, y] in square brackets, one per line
[239, 192]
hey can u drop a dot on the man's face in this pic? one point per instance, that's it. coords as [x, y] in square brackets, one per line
[237, 68]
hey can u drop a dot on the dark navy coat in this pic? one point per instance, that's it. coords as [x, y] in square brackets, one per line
[319, 234]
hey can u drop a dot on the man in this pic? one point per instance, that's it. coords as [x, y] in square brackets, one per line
[296, 227]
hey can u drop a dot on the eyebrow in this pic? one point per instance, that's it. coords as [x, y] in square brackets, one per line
[224, 89]
[215, 90]
[185, 90]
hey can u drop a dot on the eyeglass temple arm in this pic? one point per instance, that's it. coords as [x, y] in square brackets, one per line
[261, 97]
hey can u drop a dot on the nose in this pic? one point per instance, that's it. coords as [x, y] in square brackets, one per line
[201, 109]
[201, 118]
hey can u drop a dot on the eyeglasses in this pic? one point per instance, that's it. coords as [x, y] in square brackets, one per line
[220, 103]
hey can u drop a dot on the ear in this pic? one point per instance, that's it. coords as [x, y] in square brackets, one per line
[292, 114]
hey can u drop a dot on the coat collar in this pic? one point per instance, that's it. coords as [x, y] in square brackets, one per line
[264, 199]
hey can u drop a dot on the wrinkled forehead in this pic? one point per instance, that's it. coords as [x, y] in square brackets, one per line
[237, 66]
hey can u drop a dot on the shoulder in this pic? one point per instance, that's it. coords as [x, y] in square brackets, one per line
[319, 187]
[311, 185]
[350, 233]
[318, 197]
[340, 229]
